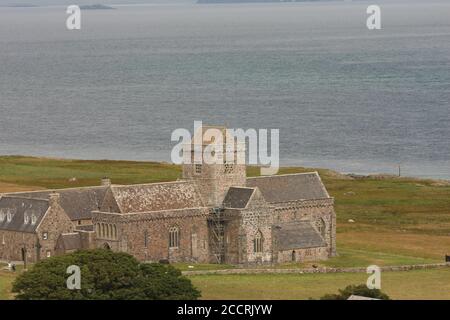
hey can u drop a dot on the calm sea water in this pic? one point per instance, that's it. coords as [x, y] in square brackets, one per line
[343, 97]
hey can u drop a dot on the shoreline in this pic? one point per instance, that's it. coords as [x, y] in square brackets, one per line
[345, 175]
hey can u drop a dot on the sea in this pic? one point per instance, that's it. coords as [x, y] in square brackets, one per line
[342, 96]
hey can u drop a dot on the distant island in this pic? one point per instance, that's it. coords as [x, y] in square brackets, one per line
[96, 7]
[254, 1]
[19, 5]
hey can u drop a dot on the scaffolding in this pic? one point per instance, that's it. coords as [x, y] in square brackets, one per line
[217, 234]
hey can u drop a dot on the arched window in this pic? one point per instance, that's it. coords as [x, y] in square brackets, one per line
[2, 216]
[258, 243]
[174, 237]
[97, 229]
[33, 219]
[115, 232]
[110, 231]
[321, 227]
[103, 230]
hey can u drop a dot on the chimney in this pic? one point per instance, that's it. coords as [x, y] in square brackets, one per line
[53, 198]
[106, 182]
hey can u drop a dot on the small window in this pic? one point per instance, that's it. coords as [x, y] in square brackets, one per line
[3, 240]
[33, 219]
[9, 216]
[146, 238]
[79, 222]
[44, 235]
[49, 254]
[174, 237]
[198, 169]
[26, 218]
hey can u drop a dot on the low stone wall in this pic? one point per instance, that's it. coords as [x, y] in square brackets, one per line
[314, 270]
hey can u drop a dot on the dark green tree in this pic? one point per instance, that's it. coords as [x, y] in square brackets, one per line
[105, 275]
[357, 290]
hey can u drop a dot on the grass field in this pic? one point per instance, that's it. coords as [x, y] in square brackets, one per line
[396, 220]
[418, 284]
[6, 279]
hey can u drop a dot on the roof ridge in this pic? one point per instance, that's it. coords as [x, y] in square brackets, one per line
[23, 198]
[150, 183]
[240, 187]
[56, 190]
[287, 174]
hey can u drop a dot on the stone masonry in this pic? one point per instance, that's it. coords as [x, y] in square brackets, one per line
[214, 214]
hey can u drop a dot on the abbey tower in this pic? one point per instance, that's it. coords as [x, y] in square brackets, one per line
[214, 180]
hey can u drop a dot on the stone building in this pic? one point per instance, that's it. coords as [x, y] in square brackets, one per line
[30, 227]
[214, 214]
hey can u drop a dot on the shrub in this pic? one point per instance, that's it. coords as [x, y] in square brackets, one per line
[357, 290]
[105, 275]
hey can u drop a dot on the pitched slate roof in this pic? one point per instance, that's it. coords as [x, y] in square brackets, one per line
[290, 187]
[237, 197]
[78, 203]
[297, 235]
[18, 208]
[156, 196]
[70, 241]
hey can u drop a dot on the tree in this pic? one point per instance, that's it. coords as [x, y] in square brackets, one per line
[357, 290]
[105, 275]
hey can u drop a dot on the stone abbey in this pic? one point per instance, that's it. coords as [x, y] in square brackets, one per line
[213, 214]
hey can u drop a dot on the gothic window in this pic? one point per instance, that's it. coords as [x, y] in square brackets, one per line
[103, 230]
[198, 169]
[258, 243]
[174, 237]
[26, 218]
[33, 219]
[321, 227]
[9, 216]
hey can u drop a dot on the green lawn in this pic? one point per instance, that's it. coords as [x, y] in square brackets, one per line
[6, 279]
[348, 258]
[418, 284]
